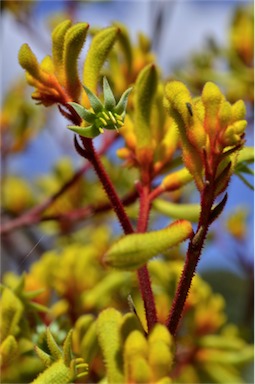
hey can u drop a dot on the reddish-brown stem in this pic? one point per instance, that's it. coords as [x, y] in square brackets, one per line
[107, 185]
[86, 212]
[34, 215]
[143, 273]
[192, 258]
[156, 192]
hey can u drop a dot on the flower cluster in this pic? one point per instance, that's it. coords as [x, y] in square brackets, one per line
[56, 78]
[211, 131]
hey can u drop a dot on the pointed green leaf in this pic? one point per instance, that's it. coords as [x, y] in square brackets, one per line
[38, 307]
[89, 132]
[217, 210]
[122, 103]
[108, 329]
[99, 49]
[246, 154]
[53, 347]
[94, 100]
[132, 251]
[8, 350]
[109, 99]
[30, 295]
[246, 182]
[43, 356]
[83, 113]
[74, 40]
[243, 168]
[67, 349]
[19, 288]
[11, 313]
[58, 38]
[178, 211]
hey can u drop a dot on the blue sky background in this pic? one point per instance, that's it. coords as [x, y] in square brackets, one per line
[186, 25]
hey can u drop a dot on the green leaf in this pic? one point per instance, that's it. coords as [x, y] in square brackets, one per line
[246, 182]
[53, 347]
[74, 40]
[178, 211]
[83, 113]
[243, 168]
[108, 326]
[94, 100]
[246, 154]
[217, 210]
[134, 250]
[8, 350]
[109, 99]
[43, 356]
[89, 132]
[11, 313]
[67, 348]
[122, 103]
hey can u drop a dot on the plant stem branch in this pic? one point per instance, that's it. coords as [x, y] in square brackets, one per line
[34, 215]
[192, 258]
[143, 273]
[108, 186]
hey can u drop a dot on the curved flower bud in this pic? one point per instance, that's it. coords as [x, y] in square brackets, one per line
[56, 79]
[132, 251]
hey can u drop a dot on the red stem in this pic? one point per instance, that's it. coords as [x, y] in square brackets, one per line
[108, 187]
[143, 273]
[34, 215]
[192, 259]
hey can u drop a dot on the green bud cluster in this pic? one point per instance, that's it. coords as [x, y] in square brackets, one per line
[109, 115]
